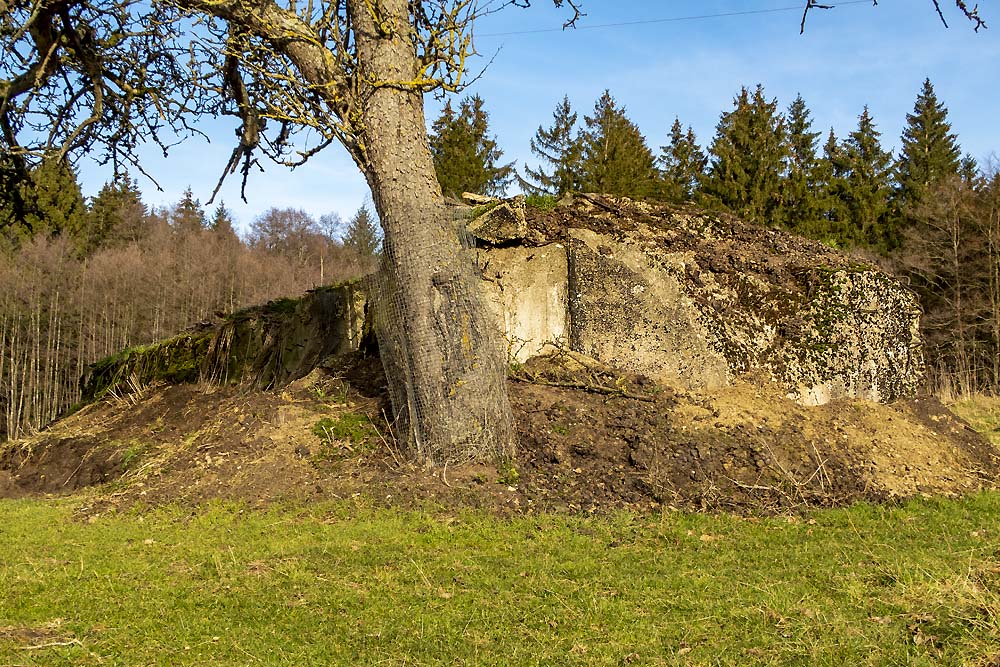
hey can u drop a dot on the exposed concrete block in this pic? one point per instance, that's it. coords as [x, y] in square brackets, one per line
[632, 312]
[527, 290]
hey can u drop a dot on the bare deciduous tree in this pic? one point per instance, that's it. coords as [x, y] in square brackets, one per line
[60, 312]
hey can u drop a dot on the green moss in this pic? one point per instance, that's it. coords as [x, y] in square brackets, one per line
[541, 202]
[265, 345]
[283, 306]
[508, 473]
[175, 360]
[483, 209]
[278, 307]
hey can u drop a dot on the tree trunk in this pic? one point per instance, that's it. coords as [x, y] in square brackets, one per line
[440, 348]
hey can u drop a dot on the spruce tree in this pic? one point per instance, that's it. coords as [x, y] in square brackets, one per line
[54, 203]
[682, 164]
[801, 200]
[117, 215]
[222, 224]
[867, 187]
[929, 151]
[362, 233]
[831, 226]
[466, 157]
[968, 169]
[187, 214]
[616, 158]
[748, 159]
[12, 205]
[559, 146]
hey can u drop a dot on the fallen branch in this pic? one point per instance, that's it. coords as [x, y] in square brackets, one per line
[755, 487]
[593, 388]
[600, 201]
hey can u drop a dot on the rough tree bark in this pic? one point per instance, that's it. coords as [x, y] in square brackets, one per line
[440, 348]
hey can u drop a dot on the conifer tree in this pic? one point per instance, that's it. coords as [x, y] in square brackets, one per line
[362, 233]
[748, 159]
[222, 224]
[968, 169]
[53, 201]
[12, 205]
[117, 214]
[831, 170]
[682, 164]
[867, 184]
[801, 200]
[929, 151]
[559, 146]
[616, 158]
[466, 157]
[187, 214]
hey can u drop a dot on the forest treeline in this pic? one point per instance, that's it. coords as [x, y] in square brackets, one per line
[82, 279]
[929, 213]
[86, 277]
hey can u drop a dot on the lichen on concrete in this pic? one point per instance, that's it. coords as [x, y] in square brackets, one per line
[695, 300]
[630, 309]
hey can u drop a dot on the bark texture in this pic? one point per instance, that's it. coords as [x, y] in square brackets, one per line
[441, 349]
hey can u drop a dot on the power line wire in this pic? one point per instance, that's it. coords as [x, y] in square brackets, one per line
[675, 19]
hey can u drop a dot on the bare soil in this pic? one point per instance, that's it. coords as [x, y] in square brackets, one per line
[590, 440]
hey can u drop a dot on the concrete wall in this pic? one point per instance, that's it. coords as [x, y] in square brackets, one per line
[632, 303]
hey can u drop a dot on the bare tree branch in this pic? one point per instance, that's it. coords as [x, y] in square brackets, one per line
[962, 5]
[811, 4]
[108, 75]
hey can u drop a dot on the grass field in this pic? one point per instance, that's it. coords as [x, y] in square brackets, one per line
[983, 413]
[346, 584]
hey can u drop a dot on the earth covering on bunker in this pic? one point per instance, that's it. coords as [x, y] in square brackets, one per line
[591, 440]
[591, 436]
[720, 242]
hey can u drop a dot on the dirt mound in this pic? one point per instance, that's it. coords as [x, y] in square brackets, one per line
[591, 439]
[719, 242]
[744, 447]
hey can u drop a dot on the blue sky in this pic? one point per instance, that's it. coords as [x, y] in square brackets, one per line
[853, 55]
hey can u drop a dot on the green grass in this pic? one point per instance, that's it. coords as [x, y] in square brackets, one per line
[348, 584]
[346, 431]
[983, 413]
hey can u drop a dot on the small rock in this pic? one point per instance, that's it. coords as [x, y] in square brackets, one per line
[477, 199]
[503, 223]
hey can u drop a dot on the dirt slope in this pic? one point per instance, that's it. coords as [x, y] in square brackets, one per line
[590, 440]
